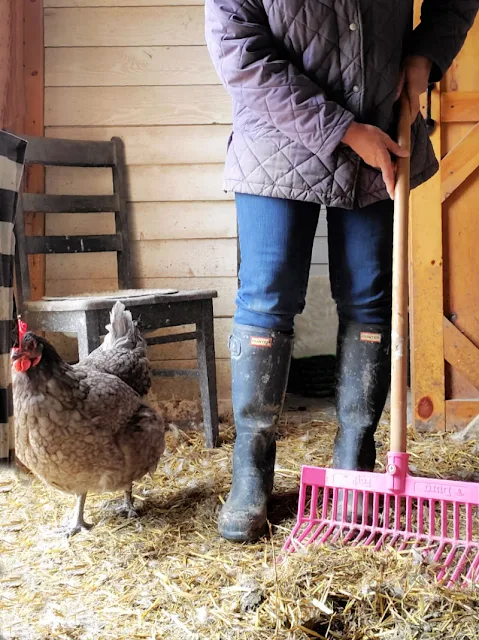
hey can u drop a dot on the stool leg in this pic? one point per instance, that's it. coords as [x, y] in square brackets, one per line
[207, 372]
[88, 334]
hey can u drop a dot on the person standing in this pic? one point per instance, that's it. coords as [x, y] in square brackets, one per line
[315, 85]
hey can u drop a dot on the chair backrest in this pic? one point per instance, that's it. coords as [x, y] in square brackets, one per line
[75, 153]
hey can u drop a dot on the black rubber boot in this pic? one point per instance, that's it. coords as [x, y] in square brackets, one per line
[363, 379]
[260, 361]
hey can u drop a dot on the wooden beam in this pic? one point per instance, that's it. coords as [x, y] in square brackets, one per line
[460, 162]
[158, 145]
[157, 183]
[120, 3]
[14, 91]
[125, 26]
[34, 76]
[426, 295]
[461, 353]
[202, 258]
[460, 412]
[128, 66]
[137, 106]
[460, 106]
[5, 58]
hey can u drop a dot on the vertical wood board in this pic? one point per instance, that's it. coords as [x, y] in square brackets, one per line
[34, 81]
[461, 231]
[426, 297]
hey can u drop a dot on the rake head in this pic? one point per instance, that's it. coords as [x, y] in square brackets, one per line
[439, 518]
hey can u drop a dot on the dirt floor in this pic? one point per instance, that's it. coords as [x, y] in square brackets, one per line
[168, 575]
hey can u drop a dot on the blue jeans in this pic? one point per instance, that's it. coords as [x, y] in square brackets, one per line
[276, 242]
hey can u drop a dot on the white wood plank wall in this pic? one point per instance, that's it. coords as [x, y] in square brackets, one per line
[139, 69]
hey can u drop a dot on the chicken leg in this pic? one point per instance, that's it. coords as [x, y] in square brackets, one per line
[78, 523]
[126, 508]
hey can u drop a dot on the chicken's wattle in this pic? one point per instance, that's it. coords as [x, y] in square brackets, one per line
[22, 364]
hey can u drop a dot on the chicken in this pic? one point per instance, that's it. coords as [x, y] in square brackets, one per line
[123, 352]
[470, 432]
[79, 429]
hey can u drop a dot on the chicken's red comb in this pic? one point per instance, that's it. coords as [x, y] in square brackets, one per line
[22, 329]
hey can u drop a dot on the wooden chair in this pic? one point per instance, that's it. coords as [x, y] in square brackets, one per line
[87, 315]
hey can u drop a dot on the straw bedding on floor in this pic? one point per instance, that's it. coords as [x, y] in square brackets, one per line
[167, 574]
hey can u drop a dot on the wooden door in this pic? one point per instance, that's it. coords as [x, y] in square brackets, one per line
[445, 256]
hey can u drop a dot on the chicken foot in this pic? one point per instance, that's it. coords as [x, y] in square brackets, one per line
[127, 508]
[78, 523]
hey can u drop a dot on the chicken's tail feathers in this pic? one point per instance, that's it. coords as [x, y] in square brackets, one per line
[122, 330]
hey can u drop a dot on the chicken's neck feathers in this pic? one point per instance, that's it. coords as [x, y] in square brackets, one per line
[64, 374]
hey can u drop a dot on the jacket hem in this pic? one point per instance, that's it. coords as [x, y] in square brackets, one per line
[322, 198]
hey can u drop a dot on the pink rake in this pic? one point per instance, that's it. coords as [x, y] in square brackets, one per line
[440, 518]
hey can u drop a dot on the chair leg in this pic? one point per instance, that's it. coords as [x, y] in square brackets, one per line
[207, 373]
[88, 334]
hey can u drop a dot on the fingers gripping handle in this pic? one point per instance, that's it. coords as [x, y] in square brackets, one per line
[399, 330]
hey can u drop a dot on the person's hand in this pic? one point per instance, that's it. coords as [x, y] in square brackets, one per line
[414, 80]
[375, 148]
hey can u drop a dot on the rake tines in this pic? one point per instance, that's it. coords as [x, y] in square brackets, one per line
[443, 530]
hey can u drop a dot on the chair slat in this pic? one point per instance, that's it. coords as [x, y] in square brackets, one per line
[46, 203]
[175, 373]
[60, 152]
[173, 337]
[73, 244]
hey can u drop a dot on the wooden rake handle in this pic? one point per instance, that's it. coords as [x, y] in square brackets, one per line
[399, 329]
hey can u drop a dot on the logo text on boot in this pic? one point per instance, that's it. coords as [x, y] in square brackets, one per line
[366, 336]
[261, 341]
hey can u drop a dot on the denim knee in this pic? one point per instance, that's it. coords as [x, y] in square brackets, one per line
[360, 262]
[272, 310]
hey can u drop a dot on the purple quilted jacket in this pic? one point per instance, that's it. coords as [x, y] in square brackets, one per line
[299, 72]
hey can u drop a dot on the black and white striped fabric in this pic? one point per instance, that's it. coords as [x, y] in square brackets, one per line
[12, 158]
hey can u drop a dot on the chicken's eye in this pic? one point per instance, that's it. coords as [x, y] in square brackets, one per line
[29, 345]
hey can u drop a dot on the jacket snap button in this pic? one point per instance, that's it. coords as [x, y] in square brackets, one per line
[353, 26]
[355, 88]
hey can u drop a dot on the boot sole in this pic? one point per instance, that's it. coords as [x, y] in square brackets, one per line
[241, 536]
